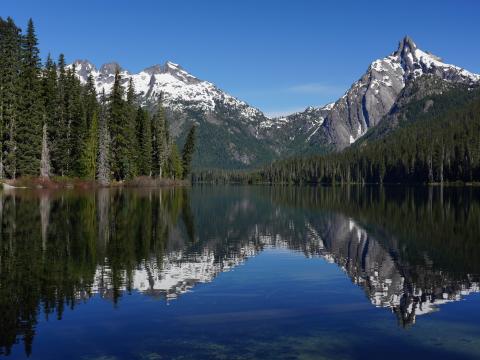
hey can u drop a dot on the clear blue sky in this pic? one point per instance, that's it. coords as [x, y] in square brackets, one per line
[279, 56]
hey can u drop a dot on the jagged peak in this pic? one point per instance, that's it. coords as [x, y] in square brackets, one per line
[154, 69]
[84, 63]
[172, 65]
[406, 45]
[110, 68]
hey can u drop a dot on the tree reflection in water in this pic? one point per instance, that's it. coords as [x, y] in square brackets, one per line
[410, 249]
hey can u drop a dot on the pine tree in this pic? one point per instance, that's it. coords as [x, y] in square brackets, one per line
[10, 63]
[77, 127]
[29, 124]
[60, 139]
[49, 95]
[118, 120]
[160, 140]
[103, 160]
[187, 152]
[90, 102]
[90, 150]
[144, 140]
[175, 169]
[130, 131]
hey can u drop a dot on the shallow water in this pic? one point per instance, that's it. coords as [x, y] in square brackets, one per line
[240, 273]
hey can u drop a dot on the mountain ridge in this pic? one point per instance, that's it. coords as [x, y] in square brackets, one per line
[248, 137]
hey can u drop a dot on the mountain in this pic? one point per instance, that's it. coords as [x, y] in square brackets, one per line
[235, 135]
[426, 97]
[295, 134]
[228, 135]
[372, 97]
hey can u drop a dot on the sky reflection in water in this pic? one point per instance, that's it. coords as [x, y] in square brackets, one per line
[240, 272]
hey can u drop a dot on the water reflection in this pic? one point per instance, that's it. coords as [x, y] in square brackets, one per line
[409, 249]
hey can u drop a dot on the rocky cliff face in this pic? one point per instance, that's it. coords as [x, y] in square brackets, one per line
[374, 94]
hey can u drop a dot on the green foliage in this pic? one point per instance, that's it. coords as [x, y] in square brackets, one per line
[441, 145]
[187, 152]
[28, 131]
[121, 120]
[144, 141]
[160, 141]
[10, 63]
[174, 165]
[90, 151]
[52, 124]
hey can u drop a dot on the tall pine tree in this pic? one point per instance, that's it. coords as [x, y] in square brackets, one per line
[144, 140]
[29, 124]
[103, 156]
[118, 125]
[187, 152]
[10, 66]
[160, 140]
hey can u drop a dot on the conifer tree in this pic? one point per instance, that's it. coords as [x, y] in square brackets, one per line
[49, 95]
[160, 139]
[175, 169]
[90, 150]
[61, 144]
[29, 124]
[187, 152]
[130, 131]
[117, 119]
[144, 140]
[76, 123]
[103, 159]
[90, 102]
[10, 62]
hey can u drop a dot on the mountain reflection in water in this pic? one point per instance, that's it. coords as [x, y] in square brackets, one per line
[409, 249]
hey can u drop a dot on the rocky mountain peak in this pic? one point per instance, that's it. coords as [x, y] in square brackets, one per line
[84, 64]
[405, 46]
[109, 68]
[155, 69]
[83, 68]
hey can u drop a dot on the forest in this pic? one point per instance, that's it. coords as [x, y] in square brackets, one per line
[52, 125]
[438, 146]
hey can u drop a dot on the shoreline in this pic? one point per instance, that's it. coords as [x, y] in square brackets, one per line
[60, 183]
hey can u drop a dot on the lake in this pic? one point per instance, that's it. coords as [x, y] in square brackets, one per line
[238, 272]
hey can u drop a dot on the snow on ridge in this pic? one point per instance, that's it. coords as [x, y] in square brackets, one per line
[178, 87]
[432, 61]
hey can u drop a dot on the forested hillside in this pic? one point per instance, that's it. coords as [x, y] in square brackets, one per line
[53, 125]
[436, 140]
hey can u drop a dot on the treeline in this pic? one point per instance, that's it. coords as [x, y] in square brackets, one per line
[53, 125]
[436, 148]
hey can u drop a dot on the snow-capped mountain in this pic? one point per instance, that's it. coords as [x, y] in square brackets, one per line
[233, 134]
[174, 83]
[232, 123]
[371, 97]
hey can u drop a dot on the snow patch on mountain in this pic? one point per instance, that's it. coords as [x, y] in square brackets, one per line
[178, 88]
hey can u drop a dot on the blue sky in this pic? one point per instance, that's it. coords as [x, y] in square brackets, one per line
[280, 56]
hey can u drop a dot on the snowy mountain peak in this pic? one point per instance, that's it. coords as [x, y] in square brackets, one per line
[109, 68]
[371, 97]
[84, 64]
[405, 46]
[155, 69]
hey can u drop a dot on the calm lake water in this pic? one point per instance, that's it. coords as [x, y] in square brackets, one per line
[241, 273]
